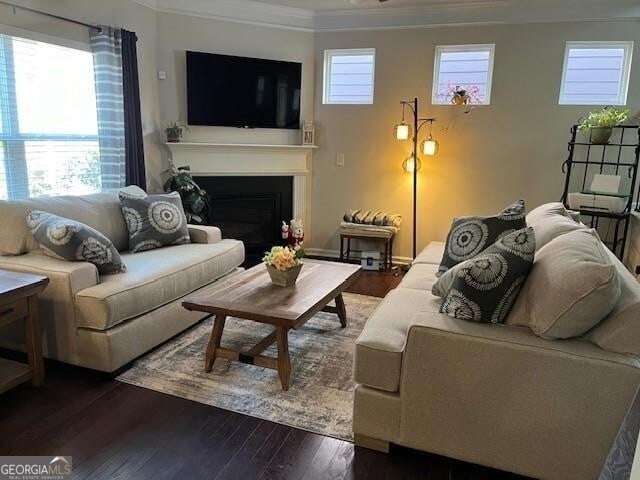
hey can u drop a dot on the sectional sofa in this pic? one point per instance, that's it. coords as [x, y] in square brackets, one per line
[104, 322]
[496, 395]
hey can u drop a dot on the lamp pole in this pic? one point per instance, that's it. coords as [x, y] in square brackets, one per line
[415, 174]
[429, 146]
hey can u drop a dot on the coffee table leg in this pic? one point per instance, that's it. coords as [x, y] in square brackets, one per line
[284, 362]
[341, 310]
[214, 341]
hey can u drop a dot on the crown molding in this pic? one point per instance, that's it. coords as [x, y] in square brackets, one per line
[482, 12]
[243, 11]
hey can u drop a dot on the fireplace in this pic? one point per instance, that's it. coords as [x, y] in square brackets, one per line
[251, 209]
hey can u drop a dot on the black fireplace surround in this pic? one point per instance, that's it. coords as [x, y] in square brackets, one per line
[250, 209]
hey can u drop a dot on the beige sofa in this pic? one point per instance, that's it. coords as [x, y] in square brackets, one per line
[104, 322]
[495, 395]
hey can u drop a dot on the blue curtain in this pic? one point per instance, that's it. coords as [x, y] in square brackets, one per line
[134, 151]
[106, 46]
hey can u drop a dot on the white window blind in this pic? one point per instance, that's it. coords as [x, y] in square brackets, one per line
[48, 120]
[349, 76]
[468, 67]
[596, 73]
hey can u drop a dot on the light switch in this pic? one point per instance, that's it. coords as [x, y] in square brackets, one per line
[340, 159]
[162, 75]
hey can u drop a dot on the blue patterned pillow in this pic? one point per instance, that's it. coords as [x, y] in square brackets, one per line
[154, 221]
[67, 239]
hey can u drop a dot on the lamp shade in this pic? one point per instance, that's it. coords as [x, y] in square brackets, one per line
[429, 146]
[402, 131]
[410, 163]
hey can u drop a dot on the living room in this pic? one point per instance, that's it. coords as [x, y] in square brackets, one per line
[410, 139]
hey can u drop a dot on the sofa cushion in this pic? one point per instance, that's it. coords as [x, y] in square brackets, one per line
[485, 287]
[420, 276]
[471, 235]
[573, 285]
[74, 241]
[551, 220]
[620, 330]
[155, 278]
[154, 221]
[378, 353]
[100, 211]
[431, 254]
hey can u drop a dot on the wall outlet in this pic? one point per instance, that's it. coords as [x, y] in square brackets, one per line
[340, 159]
[162, 75]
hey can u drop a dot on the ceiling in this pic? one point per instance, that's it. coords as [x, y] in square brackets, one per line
[334, 15]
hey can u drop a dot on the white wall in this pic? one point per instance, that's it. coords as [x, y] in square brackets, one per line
[508, 150]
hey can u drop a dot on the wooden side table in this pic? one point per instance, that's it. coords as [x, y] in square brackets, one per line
[19, 302]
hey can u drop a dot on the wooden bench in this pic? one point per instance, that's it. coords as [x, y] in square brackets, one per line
[367, 232]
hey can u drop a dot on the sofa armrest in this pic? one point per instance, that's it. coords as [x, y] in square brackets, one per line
[499, 395]
[204, 234]
[76, 275]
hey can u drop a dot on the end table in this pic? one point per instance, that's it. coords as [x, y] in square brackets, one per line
[19, 302]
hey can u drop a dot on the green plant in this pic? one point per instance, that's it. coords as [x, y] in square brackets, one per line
[175, 128]
[605, 117]
[195, 200]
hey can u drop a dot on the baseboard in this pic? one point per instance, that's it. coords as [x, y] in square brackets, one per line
[319, 252]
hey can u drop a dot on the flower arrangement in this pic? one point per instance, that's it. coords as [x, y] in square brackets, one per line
[283, 258]
[284, 265]
[460, 95]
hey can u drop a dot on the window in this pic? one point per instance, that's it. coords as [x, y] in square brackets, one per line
[463, 67]
[596, 73]
[48, 120]
[348, 76]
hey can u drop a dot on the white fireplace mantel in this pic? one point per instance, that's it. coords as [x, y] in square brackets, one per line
[233, 159]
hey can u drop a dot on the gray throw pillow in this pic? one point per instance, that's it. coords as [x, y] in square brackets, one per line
[74, 241]
[471, 235]
[486, 287]
[154, 221]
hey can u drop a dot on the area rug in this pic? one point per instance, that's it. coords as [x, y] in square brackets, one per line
[320, 396]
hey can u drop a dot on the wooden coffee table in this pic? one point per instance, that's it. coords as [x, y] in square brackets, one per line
[250, 295]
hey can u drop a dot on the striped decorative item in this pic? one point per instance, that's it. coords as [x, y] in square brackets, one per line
[106, 46]
[369, 217]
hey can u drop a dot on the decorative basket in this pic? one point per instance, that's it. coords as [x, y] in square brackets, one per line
[284, 279]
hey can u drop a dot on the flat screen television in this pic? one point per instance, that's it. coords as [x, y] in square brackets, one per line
[230, 91]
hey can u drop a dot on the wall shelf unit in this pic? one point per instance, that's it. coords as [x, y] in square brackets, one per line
[618, 157]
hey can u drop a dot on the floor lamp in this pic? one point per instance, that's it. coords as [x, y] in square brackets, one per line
[429, 146]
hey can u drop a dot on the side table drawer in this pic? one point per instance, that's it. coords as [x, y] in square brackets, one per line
[10, 312]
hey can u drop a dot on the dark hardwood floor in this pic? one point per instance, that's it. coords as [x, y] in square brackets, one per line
[118, 431]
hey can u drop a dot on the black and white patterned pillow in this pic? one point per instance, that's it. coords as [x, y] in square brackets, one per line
[471, 235]
[485, 287]
[67, 239]
[154, 221]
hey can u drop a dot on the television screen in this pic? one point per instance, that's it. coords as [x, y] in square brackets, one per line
[229, 91]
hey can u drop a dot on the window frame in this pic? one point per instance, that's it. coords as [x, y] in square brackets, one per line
[10, 125]
[440, 49]
[326, 81]
[623, 92]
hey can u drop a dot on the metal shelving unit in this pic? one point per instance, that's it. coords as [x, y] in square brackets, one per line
[619, 157]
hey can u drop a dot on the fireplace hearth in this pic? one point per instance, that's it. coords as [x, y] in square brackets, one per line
[251, 209]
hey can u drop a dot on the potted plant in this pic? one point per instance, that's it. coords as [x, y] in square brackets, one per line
[284, 265]
[195, 201]
[598, 125]
[175, 129]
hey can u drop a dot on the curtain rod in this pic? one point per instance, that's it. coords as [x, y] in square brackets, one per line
[40, 12]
